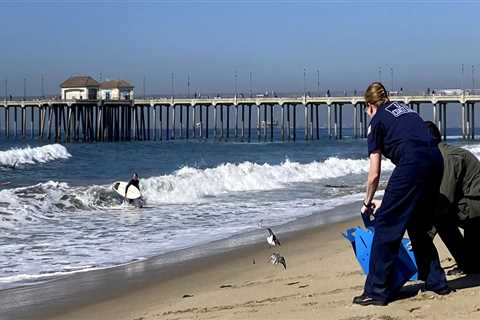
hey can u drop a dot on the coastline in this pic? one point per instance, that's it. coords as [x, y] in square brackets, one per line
[321, 278]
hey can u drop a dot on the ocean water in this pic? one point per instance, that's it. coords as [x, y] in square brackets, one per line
[58, 214]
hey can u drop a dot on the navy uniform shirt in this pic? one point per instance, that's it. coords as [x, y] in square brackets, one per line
[395, 130]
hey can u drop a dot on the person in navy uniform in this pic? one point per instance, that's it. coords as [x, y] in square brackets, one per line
[398, 133]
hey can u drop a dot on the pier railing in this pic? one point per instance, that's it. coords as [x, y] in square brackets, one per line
[166, 118]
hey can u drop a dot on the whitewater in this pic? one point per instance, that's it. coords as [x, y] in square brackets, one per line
[22, 156]
[187, 185]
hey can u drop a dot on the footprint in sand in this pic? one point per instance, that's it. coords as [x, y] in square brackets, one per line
[187, 296]
[369, 317]
[414, 309]
[350, 273]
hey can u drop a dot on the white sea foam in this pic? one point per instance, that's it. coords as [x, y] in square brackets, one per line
[191, 184]
[33, 278]
[475, 149]
[45, 201]
[28, 155]
[36, 277]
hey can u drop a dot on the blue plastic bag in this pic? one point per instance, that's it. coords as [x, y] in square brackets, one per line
[405, 265]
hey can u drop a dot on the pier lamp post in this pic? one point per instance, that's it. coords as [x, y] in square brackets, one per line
[304, 82]
[473, 77]
[236, 82]
[380, 74]
[42, 82]
[6, 89]
[24, 89]
[318, 82]
[144, 85]
[188, 85]
[391, 76]
[251, 80]
[172, 79]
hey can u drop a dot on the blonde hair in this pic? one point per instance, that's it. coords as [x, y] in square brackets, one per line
[376, 94]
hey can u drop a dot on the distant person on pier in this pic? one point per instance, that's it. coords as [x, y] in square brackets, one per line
[398, 133]
[459, 203]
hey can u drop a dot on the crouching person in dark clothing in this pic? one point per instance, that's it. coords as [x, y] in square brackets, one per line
[398, 133]
[459, 204]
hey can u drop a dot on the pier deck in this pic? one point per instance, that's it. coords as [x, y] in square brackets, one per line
[185, 118]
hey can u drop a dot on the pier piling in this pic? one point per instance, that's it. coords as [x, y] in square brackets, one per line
[249, 122]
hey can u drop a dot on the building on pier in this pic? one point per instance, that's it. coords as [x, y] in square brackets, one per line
[79, 87]
[116, 90]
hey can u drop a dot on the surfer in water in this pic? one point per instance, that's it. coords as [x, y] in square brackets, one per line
[135, 181]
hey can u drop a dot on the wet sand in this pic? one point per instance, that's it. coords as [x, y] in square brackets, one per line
[321, 279]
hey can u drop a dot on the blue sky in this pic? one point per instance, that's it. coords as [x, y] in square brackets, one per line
[424, 42]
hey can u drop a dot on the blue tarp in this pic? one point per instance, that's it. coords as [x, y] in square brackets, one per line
[361, 240]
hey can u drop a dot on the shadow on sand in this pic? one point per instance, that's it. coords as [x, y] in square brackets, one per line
[464, 282]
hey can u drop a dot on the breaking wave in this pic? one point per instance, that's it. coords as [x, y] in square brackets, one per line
[21, 156]
[189, 184]
[51, 199]
[475, 149]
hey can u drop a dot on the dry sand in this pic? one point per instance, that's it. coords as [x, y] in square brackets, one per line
[321, 279]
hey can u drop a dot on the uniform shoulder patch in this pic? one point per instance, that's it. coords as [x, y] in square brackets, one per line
[398, 109]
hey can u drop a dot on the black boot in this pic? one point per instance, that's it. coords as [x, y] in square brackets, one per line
[365, 300]
[442, 292]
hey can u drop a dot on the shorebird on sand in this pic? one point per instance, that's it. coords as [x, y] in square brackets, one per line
[276, 258]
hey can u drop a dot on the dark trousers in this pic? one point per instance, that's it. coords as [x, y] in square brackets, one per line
[447, 229]
[471, 232]
[464, 247]
[407, 205]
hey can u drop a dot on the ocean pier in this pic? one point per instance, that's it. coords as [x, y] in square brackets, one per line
[162, 119]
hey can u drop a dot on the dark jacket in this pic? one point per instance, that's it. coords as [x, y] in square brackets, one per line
[460, 188]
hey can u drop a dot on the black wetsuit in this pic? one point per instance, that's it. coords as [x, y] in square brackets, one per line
[132, 182]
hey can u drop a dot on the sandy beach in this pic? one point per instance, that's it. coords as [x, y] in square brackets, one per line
[321, 278]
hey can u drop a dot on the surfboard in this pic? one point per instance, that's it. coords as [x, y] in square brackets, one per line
[133, 192]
